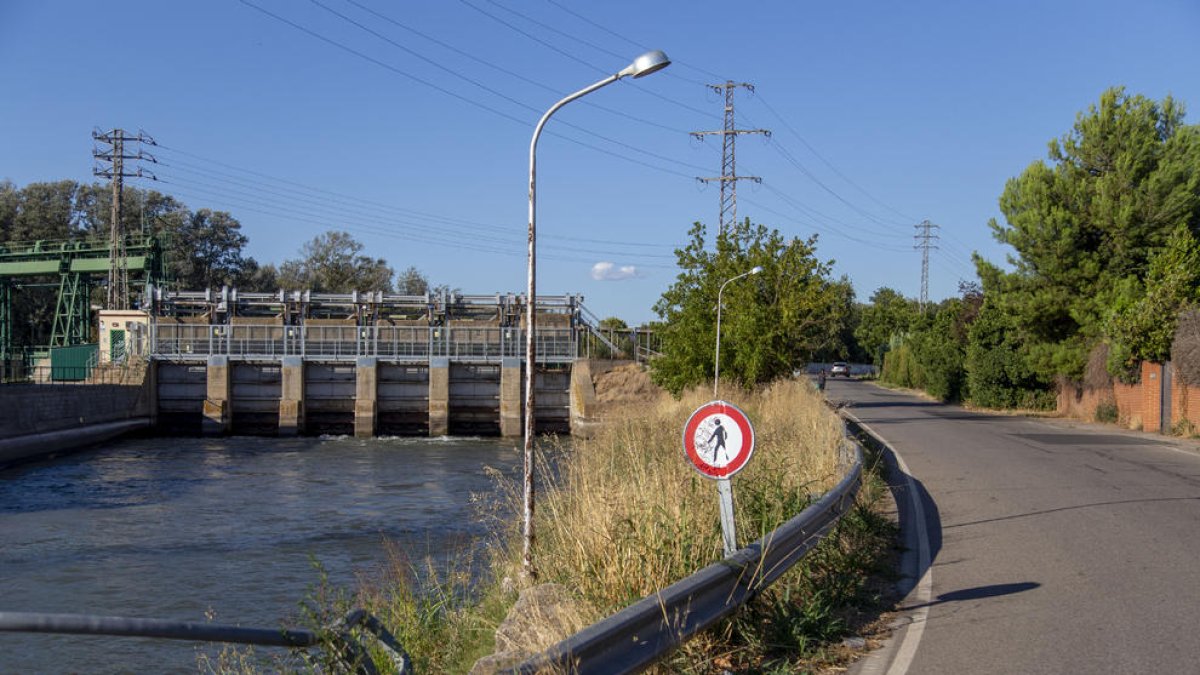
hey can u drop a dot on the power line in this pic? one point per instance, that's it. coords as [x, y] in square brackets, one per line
[506, 71]
[828, 163]
[490, 90]
[256, 205]
[465, 99]
[339, 199]
[576, 59]
[414, 230]
[706, 73]
[827, 230]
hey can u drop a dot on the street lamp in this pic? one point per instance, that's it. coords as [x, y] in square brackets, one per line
[717, 360]
[650, 62]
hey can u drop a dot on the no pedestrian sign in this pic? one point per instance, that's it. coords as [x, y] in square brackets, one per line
[718, 439]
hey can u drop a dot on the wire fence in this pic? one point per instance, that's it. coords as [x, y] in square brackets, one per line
[128, 373]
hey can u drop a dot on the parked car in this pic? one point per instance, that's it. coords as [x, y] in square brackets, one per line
[840, 368]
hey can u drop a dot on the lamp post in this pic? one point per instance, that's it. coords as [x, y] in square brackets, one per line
[650, 62]
[717, 359]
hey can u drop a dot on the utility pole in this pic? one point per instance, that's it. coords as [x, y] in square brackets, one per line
[729, 178]
[118, 263]
[925, 237]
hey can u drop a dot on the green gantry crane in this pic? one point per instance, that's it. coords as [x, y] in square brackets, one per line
[78, 264]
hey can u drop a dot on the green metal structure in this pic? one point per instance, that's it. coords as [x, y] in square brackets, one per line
[77, 265]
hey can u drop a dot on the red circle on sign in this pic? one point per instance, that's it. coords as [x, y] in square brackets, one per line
[709, 416]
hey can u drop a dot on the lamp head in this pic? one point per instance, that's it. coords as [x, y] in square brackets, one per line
[650, 62]
[756, 270]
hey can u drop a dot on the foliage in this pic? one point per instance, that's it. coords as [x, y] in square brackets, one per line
[771, 322]
[1142, 322]
[212, 243]
[622, 517]
[412, 282]
[939, 354]
[202, 248]
[1107, 411]
[1085, 229]
[333, 263]
[931, 354]
[1185, 347]
[998, 371]
[888, 314]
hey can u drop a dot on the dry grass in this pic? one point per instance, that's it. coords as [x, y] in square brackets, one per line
[623, 514]
[629, 515]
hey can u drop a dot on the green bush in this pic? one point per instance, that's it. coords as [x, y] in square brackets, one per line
[998, 375]
[1106, 411]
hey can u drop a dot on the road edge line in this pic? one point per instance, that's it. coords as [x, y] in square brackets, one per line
[906, 650]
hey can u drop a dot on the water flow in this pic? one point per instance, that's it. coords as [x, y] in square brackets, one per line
[229, 529]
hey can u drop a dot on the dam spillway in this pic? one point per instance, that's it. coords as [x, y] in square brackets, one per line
[363, 364]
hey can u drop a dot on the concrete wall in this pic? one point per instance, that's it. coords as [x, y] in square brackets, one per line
[366, 397]
[39, 408]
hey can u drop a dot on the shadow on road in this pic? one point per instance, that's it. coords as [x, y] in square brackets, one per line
[900, 484]
[979, 593]
[1043, 512]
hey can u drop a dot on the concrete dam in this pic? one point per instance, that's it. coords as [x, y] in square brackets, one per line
[220, 362]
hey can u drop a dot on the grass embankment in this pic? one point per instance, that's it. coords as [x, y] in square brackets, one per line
[625, 515]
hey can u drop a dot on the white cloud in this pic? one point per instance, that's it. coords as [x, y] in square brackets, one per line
[607, 271]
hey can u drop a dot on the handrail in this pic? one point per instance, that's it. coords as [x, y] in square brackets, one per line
[644, 632]
[119, 626]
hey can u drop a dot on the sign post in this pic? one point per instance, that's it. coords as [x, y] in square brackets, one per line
[718, 441]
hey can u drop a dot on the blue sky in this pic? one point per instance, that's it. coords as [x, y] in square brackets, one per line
[883, 114]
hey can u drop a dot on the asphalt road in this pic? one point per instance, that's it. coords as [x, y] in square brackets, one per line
[1054, 547]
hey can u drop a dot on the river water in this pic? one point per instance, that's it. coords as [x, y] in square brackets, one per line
[186, 529]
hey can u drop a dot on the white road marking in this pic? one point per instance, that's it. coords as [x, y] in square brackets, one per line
[907, 649]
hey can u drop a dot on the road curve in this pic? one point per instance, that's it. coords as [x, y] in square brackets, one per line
[1054, 547]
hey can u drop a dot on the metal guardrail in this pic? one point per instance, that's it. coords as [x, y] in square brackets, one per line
[637, 636]
[415, 344]
[350, 651]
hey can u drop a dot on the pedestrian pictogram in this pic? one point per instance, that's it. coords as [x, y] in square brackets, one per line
[718, 439]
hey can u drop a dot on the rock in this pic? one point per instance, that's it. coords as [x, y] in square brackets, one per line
[490, 665]
[542, 616]
[855, 643]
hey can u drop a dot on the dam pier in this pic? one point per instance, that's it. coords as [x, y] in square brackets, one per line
[357, 364]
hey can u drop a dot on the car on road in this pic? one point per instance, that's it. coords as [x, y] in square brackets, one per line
[840, 368]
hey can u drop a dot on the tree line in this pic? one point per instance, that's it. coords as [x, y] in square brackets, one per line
[203, 248]
[1105, 259]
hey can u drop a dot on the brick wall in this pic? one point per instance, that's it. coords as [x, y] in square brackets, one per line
[1139, 405]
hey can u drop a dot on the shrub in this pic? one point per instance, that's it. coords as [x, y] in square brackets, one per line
[1107, 411]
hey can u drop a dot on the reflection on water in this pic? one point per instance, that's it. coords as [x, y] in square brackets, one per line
[177, 528]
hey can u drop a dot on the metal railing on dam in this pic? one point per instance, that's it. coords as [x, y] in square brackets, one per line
[407, 344]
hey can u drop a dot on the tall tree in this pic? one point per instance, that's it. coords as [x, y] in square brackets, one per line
[1141, 324]
[771, 323]
[207, 250]
[333, 263]
[1116, 186]
[887, 315]
[412, 282]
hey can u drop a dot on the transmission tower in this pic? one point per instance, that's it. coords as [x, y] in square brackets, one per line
[925, 237]
[114, 156]
[729, 178]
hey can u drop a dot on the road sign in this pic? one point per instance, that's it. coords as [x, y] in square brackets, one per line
[718, 439]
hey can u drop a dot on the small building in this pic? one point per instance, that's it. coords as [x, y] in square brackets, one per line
[123, 333]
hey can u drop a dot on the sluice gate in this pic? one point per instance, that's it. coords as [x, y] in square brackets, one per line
[362, 364]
